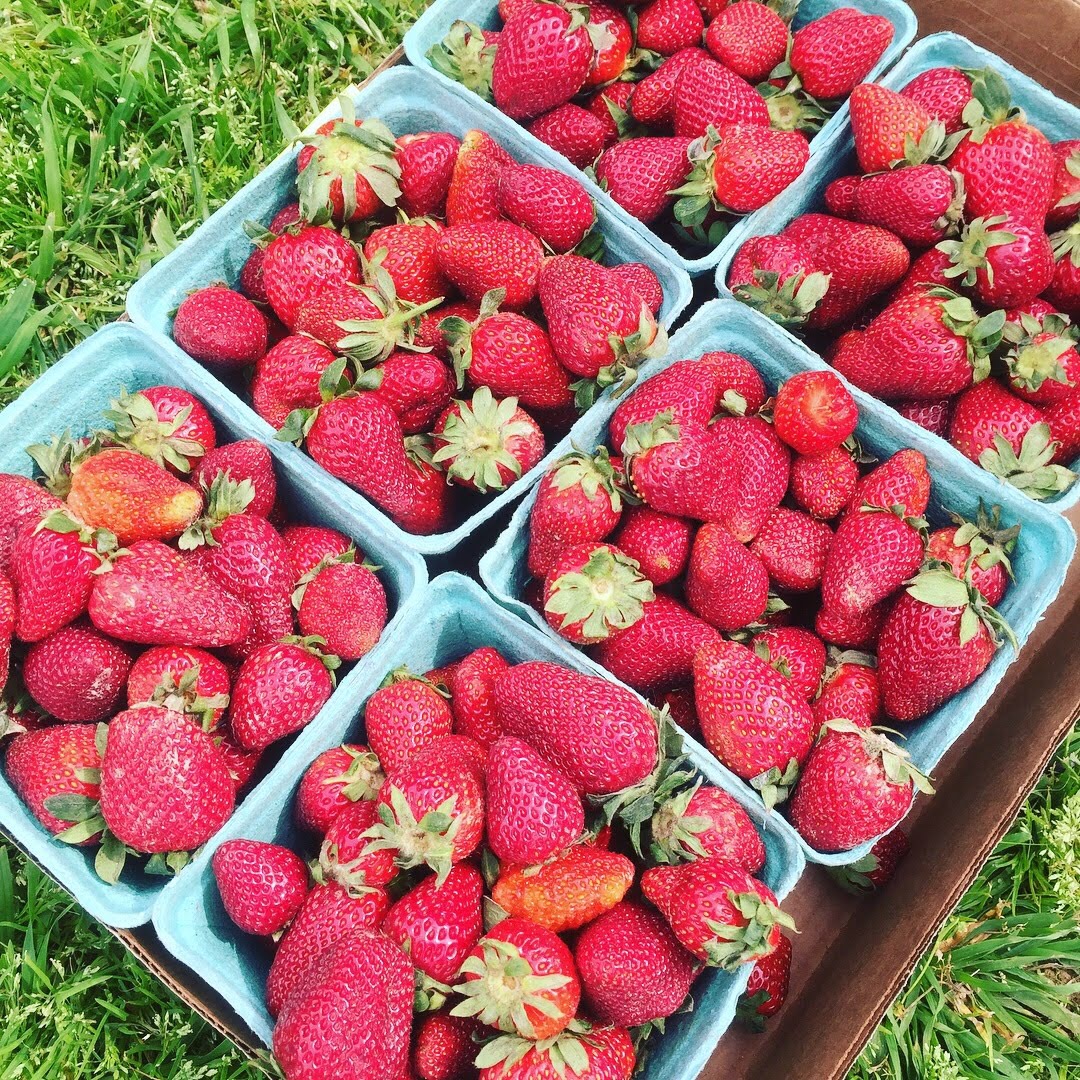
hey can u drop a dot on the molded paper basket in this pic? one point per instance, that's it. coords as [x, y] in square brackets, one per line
[433, 25]
[458, 616]
[406, 101]
[1043, 552]
[1056, 118]
[71, 395]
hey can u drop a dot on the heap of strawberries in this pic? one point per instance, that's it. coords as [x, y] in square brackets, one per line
[724, 541]
[686, 113]
[161, 624]
[521, 853]
[945, 279]
[421, 317]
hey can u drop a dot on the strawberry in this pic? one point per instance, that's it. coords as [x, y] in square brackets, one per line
[666, 26]
[750, 41]
[938, 638]
[823, 483]
[164, 423]
[643, 281]
[633, 969]
[613, 54]
[7, 629]
[403, 717]
[568, 891]
[77, 674]
[922, 204]
[1042, 359]
[717, 910]
[752, 718]
[329, 914]
[850, 692]
[241, 764]
[217, 325]
[406, 252]
[58, 763]
[309, 545]
[20, 497]
[574, 132]
[653, 100]
[658, 543]
[611, 105]
[604, 1053]
[1064, 290]
[885, 126]
[55, 564]
[438, 925]
[553, 206]
[474, 184]
[542, 60]
[600, 327]
[726, 583]
[533, 811]
[927, 271]
[417, 386]
[593, 591]
[472, 695]
[599, 734]
[901, 480]
[345, 855]
[577, 501]
[485, 444]
[850, 632]
[187, 680]
[840, 196]
[794, 548]
[297, 265]
[944, 92]
[466, 54]
[278, 690]
[831, 55]
[365, 982]
[337, 777]
[704, 821]
[520, 978]
[247, 460]
[766, 989]
[814, 412]
[344, 604]
[1065, 195]
[429, 334]
[288, 378]
[508, 353]
[855, 785]
[777, 276]
[443, 1048]
[979, 547]
[797, 654]
[491, 255]
[251, 282]
[640, 174]
[708, 94]
[426, 164]
[875, 869]
[164, 785]
[933, 415]
[262, 886]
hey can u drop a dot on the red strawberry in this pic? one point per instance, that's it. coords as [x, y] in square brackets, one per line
[704, 821]
[766, 989]
[426, 162]
[938, 638]
[658, 543]
[605, 1053]
[794, 548]
[472, 695]
[533, 810]
[840, 196]
[981, 548]
[337, 777]
[641, 173]
[922, 204]
[850, 632]
[474, 183]
[404, 717]
[777, 276]
[164, 423]
[901, 480]
[406, 251]
[855, 785]
[309, 545]
[927, 271]
[219, 326]
[633, 968]
[666, 26]
[491, 255]
[520, 978]
[943, 92]
[752, 718]
[643, 281]
[1042, 359]
[297, 265]
[77, 674]
[717, 910]
[288, 378]
[262, 886]
[612, 57]
[1065, 196]
[346, 855]
[885, 125]
[278, 690]
[344, 605]
[832, 54]
[611, 106]
[751, 41]
[251, 274]
[553, 206]
[875, 869]
[574, 132]
[933, 415]
[708, 94]
[429, 333]
[1064, 290]
[851, 692]
[443, 1048]
[20, 497]
[823, 483]
[726, 583]
[417, 386]
[58, 763]
[797, 654]
[814, 412]
[247, 460]
[653, 100]
[240, 763]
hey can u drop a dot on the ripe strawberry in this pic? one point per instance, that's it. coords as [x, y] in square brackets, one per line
[365, 982]
[438, 925]
[443, 1048]
[20, 497]
[751, 41]
[240, 763]
[658, 543]
[933, 415]
[553, 206]
[599, 734]
[922, 204]
[164, 423]
[344, 604]
[309, 545]
[262, 886]
[77, 674]
[794, 548]
[855, 785]
[251, 282]
[823, 483]
[708, 94]
[901, 480]
[643, 281]
[542, 60]
[60, 763]
[885, 124]
[288, 378]
[429, 334]
[187, 680]
[717, 910]
[704, 821]
[752, 718]
[520, 978]
[611, 106]
[577, 501]
[850, 692]
[633, 969]
[472, 695]
[943, 92]
[278, 690]
[766, 989]
[568, 891]
[814, 412]
[850, 632]
[574, 132]
[408, 257]
[217, 325]
[840, 196]
[1064, 290]
[297, 265]
[726, 583]
[666, 26]
[979, 547]
[776, 276]
[875, 869]
[831, 55]
[346, 855]
[798, 654]
[1065, 195]
[491, 255]
[246, 460]
[329, 914]
[1042, 360]
[337, 777]
[417, 386]
[641, 173]
[653, 100]
[164, 784]
[426, 164]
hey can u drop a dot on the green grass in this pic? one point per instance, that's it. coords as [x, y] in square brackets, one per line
[122, 126]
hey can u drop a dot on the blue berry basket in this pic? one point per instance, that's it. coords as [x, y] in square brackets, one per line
[406, 101]
[458, 617]
[1043, 552]
[72, 395]
[1056, 118]
[433, 25]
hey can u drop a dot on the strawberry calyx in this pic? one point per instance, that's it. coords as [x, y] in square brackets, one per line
[647, 341]
[982, 334]
[1066, 244]
[895, 761]
[790, 107]
[224, 498]
[316, 646]
[969, 253]
[939, 587]
[774, 785]
[458, 332]
[605, 595]
[934, 145]
[640, 438]
[333, 383]
[991, 103]
[988, 542]
[429, 841]
[674, 832]
[593, 473]
[1032, 471]
[854, 877]
[465, 56]
[404, 674]
[788, 302]
[58, 458]
[182, 696]
[697, 194]
[137, 426]
[732, 946]
[1036, 349]
[567, 1051]
[362, 779]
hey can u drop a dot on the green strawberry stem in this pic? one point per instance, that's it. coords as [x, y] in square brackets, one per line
[1032, 471]
[429, 841]
[775, 784]
[736, 945]
[136, 426]
[989, 543]
[607, 594]
[224, 498]
[465, 57]
[789, 302]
